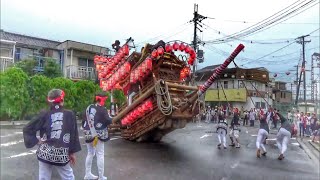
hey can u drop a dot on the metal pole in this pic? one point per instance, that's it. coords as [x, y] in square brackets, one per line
[194, 43]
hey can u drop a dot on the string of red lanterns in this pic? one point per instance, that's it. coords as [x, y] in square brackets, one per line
[139, 73]
[138, 112]
[183, 48]
[105, 67]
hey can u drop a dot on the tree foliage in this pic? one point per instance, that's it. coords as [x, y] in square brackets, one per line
[22, 95]
[14, 93]
[52, 69]
[27, 66]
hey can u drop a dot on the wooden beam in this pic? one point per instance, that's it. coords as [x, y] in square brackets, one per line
[180, 86]
[134, 104]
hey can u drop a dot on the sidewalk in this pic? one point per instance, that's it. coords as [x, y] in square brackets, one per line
[18, 123]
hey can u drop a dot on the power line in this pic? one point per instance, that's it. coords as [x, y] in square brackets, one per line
[271, 20]
[254, 22]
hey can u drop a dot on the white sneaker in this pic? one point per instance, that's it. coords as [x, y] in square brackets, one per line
[90, 176]
[103, 178]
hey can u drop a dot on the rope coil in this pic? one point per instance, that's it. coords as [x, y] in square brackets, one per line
[163, 98]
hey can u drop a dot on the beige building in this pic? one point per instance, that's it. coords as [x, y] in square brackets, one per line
[247, 88]
[74, 58]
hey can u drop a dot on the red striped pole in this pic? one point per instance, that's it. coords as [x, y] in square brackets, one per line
[220, 69]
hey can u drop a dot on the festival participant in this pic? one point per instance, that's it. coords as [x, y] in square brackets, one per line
[222, 129]
[262, 135]
[59, 139]
[234, 132]
[252, 116]
[283, 135]
[96, 133]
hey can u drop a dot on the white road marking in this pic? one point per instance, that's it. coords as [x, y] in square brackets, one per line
[22, 154]
[254, 135]
[295, 144]
[206, 135]
[115, 138]
[234, 165]
[8, 135]
[11, 143]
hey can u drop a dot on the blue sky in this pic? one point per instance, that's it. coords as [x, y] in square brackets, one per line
[101, 22]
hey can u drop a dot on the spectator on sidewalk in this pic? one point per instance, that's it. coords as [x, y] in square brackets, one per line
[245, 118]
[252, 117]
[308, 125]
[302, 124]
[316, 133]
[313, 122]
[289, 116]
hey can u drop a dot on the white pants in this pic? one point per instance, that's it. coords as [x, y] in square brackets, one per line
[222, 136]
[262, 135]
[45, 171]
[283, 138]
[234, 133]
[208, 117]
[99, 150]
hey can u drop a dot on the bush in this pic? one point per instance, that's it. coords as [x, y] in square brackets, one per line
[14, 94]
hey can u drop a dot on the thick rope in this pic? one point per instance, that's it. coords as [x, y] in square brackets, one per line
[163, 98]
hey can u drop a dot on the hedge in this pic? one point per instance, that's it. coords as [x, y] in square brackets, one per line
[23, 96]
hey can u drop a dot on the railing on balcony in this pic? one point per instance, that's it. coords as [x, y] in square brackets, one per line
[5, 62]
[80, 72]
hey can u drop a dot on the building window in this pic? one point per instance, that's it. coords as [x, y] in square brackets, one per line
[263, 105]
[284, 95]
[17, 54]
[241, 84]
[85, 62]
[281, 95]
[225, 84]
[257, 105]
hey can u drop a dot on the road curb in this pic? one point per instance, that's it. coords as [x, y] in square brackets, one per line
[315, 146]
[307, 150]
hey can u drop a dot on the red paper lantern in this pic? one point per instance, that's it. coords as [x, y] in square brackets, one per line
[149, 64]
[154, 53]
[175, 46]
[125, 49]
[187, 49]
[127, 68]
[182, 47]
[168, 48]
[160, 51]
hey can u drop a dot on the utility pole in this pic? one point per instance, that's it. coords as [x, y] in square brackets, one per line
[197, 18]
[301, 40]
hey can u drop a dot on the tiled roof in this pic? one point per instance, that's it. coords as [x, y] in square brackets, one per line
[28, 40]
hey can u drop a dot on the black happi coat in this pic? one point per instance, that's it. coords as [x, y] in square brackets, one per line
[285, 123]
[101, 122]
[59, 133]
[222, 122]
[235, 122]
[264, 125]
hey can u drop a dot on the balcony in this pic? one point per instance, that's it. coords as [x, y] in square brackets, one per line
[80, 72]
[5, 62]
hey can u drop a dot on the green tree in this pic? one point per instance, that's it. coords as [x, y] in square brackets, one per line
[38, 88]
[68, 87]
[27, 65]
[52, 69]
[85, 93]
[14, 94]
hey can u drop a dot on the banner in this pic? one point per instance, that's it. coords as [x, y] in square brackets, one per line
[233, 95]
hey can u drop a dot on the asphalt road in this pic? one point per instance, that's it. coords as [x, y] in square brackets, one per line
[185, 154]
